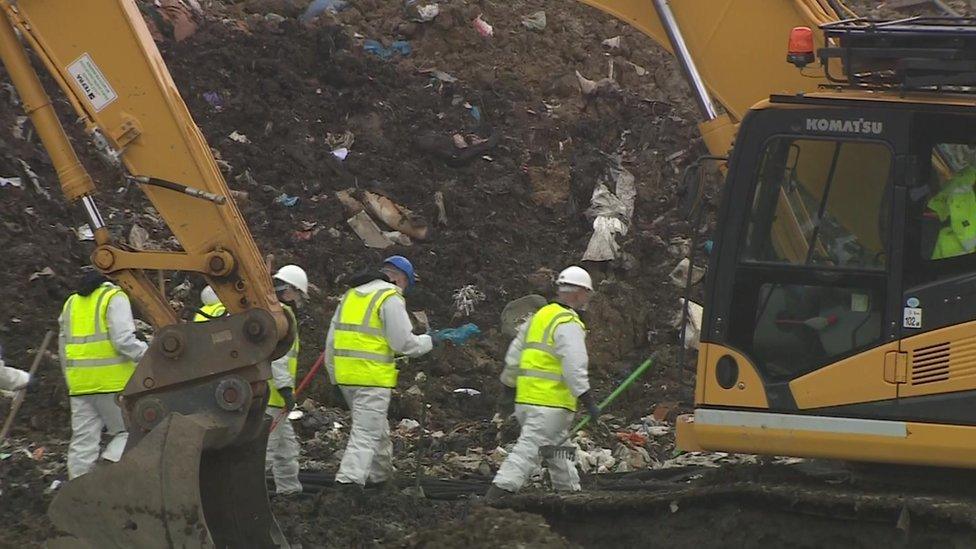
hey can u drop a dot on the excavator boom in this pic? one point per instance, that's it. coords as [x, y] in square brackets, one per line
[192, 473]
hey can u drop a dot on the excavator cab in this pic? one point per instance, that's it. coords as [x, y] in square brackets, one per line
[839, 317]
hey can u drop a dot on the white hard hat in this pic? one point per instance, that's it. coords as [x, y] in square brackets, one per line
[575, 276]
[208, 296]
[294, 275]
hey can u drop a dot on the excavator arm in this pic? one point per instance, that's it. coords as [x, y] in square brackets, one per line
[192, 474]
[731, 51]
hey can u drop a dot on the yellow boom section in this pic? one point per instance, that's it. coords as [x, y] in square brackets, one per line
[102, 56]
[738, 46]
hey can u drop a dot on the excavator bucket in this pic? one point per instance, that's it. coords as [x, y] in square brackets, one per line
[168, 491]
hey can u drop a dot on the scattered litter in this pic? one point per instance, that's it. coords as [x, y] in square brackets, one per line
[459, 141]
[679, 275]
[318, 7]
[239, 137]
[34, 179]
[630, 438]
[674, 507]
[476, 113]
[465, 298]
[467, 391]
[427, 12]
[11, 182]
[367, 231]
[641, 71]
[693, 328]
[139, 238]
[12, 95]
[53, 487]
[599, 460]
[443, 77]
[662, 411]
[483, 28]
[339, 141]
[604, 86]
[631, 458]
[295, 415]
[679, 247]
[535, 21]
[458, 336]
[38, 453]
[5, 456]
[214, 99]
[341, 153]
[84, 233]
[398, 238]
[45, 272]
[611, 212]
[422, 321]
[178, 16]
[18, 129]
[401, 47]
[613, 43]
[441, 208]
[708, 246]
[286, 200]
[407, 425]
[395, 216]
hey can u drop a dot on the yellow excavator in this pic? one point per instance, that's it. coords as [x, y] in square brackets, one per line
[831, 329]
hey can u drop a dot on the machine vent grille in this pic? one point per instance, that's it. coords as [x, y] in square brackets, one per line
[930, 364]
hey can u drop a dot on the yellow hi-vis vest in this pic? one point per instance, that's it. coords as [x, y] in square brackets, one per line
[214, 310]
[956, 203]
[361, 354]
[276, 400]
[540, 376]
[92, 365]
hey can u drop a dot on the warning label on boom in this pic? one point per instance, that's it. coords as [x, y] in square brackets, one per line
[92, 82]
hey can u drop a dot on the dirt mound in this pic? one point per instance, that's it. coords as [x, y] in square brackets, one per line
[490, 527]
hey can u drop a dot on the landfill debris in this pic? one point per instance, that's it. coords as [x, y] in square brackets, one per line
[45, 272]
[482, 26]
[55, 484]
[422, 322]
[407, 425]
[465, 299]
[395, 216]
[692, 333]
[214, 99]
[662, 411]
[679, 275]
[11, 182]
[641, 71]
[38, 453]
[535, 21]
[630, 458]
[239, 137]
[84, 233]
[398, 238]
[597, 460]
[613, 43]
[19, 127]
[447, 149]
[341, 140]
[427, 12]
[443, 76]
[367, 231]
[318, 7]
[610, 212]
[679, 247]
[34, 179]
[460, 335]
[595, 88]
[475, 112]
[374, 47]
[139, 238]
[178, 18]
[341, 153]
[467, 391]
[441, 208]
[286, 200]
[459, 141]
[673, 507]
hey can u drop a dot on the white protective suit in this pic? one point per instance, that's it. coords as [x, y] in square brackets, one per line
[542, 425]
[369, 453]
[283, 448]
[90, 414]
[12, 379]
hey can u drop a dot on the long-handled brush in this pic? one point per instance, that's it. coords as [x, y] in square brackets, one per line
[561, 451]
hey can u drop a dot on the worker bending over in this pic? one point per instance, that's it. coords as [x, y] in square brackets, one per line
[12, 379]
[291, 287]
[369, 328]
[547, 364]
[99, 352]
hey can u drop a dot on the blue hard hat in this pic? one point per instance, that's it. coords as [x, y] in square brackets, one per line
[403, 265]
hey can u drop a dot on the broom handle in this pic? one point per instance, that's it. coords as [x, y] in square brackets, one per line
[616, 392]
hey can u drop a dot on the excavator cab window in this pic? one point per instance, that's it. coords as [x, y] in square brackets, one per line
[811, 272]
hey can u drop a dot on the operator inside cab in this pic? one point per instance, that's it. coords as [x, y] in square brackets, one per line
[955, 207]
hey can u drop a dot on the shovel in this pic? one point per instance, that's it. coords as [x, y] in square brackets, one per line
[561, 451]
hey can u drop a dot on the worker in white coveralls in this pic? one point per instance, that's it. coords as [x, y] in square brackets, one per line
[368, 330]
[99, 351]
[12, 379]
[291, 286]
[547, 365]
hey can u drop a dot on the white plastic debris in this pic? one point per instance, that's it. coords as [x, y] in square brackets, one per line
[407, 425]
[341, 153]
[535, 21]
[295, 415]
[692, 333]
[53, 487]
[612, 43]
[85, 233]
[239, 137]
[467, 391]
[679, 275]
[611, 212]
[428, 12]
[11, 182]
[598, 460]
[465, 298]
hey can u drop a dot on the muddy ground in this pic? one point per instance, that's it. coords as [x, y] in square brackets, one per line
[515, 214]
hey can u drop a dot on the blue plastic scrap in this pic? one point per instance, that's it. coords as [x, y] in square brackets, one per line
[400, 46]
[460, 335]
[318, 7]
[286, 201]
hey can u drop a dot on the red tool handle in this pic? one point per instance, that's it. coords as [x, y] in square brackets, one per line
[301, 387]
